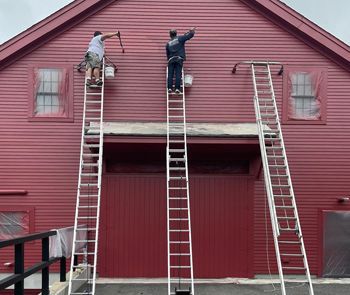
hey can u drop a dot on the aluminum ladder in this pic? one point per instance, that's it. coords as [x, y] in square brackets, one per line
[180, 263]
[87, 213]
[287, 234]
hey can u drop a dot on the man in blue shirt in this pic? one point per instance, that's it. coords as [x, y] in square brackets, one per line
[176, 54]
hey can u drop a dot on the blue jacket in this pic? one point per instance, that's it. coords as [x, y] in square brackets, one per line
[176, 46]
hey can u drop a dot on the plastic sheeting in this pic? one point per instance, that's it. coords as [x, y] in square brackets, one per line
[13, 224]
[305, 94]
[336, 245]
[50, 92]
[62, 243]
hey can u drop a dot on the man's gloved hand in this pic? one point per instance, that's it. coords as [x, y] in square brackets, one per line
[118, 34]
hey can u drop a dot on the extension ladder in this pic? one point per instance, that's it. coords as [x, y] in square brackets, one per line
[87, 213]
[288, 238]
[180, 264]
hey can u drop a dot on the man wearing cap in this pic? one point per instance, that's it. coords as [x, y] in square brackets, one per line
[176, 54]
[94, 56]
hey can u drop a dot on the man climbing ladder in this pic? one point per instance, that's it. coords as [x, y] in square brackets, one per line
[176, 54]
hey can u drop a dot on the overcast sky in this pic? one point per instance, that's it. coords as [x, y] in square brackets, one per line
[18, 15]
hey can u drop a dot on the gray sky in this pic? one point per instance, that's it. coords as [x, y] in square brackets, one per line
[18, 15]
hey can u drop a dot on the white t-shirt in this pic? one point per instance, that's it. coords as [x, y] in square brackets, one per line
[97, 46]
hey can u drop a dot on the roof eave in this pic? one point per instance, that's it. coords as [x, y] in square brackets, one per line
[303, 29]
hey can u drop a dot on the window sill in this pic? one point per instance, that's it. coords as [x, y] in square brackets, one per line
[51, 119]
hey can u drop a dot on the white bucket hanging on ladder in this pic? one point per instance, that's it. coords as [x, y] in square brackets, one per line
[109, 72]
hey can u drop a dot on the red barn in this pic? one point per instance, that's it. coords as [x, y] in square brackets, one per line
[41, 131]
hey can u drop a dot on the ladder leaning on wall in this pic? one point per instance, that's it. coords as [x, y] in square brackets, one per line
[288, 238]
[180, 264]
[87, 213]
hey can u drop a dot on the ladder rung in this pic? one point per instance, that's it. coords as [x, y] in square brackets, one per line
[177, 177]
[288, 229]
[177, 168]
[177, 150]
[177, 159]
[269, 148]
[179, 242]
[93, 110]
[175, 109]
[88, 207]
[278, 166]
[89, 184]
[289, 242]
[85, 241]
[93, 93]
[93, 118]
[180, 254]
[89, 174]
[283, 196]
[179, 230]
[88, 196]
[87, 217]
[176, 141]
[284, 207]
[280, 185]
[90, 164]
[178, 219]
[175, 209]
[180, 266]
[86, 229]
[86, 253]
[292, 255]
[177, 188]
[268, 115]
[286, 218]
[275, 157]
[277, 175]
[91, 155]
[294, 267]
[91, 145]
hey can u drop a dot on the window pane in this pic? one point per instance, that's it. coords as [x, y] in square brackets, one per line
[54, 87]
[48, 100]
[55, 100]
[54, 75]
[40, 100]
[47, 75]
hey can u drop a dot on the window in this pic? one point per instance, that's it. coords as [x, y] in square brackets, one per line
[336, 244]
[305, 95]
[16, 222]
[51, 97]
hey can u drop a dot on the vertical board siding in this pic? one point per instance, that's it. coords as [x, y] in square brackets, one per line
[133, 226]
[43, 157]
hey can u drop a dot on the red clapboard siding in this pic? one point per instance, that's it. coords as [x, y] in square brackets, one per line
[133, 226]
[43, 157]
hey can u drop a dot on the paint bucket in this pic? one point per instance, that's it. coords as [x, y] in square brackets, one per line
[188, 80]
[109, 72]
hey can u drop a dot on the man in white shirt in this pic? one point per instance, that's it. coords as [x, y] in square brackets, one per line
[94, 56]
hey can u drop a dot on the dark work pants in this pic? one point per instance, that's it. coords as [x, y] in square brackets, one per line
[174, 68]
